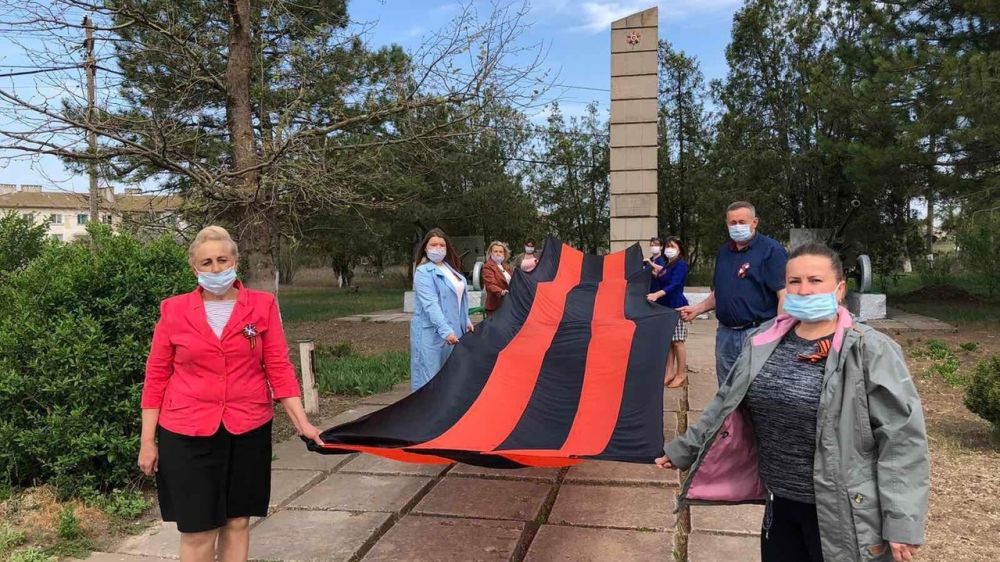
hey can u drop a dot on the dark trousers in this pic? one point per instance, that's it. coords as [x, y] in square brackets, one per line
[793, 533]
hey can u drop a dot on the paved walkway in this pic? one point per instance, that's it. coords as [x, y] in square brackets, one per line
[359, 507]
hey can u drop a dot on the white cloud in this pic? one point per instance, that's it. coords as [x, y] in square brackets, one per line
[596, 16]
[414, 31]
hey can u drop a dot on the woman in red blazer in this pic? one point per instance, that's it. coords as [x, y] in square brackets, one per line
[496, 275]
[218, 361]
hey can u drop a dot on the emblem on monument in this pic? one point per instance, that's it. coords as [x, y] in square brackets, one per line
[633, 38]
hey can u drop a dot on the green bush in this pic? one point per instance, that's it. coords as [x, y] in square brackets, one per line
[361, 375]
[21, 240]
[10, 538]
[68, 526]
[33, 554]
[75, 327]
[122, 504]
[969, 346]
[937, 271]
[982, 396]
[979, 247]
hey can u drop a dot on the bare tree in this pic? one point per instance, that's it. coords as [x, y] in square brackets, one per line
[258, 113]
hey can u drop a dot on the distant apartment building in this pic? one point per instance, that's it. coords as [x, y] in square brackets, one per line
[67, 213]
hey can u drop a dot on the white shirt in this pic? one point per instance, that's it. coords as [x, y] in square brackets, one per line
[217, 313]
[505, 275]
[458, 282]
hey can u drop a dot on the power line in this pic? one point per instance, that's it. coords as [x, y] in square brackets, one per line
[580, 87]
[38, 71]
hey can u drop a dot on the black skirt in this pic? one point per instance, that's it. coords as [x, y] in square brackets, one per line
[204, 481]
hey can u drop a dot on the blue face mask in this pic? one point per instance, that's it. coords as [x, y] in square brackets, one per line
[812, 308]
[436, 255]
[740, 232]
[217, 283]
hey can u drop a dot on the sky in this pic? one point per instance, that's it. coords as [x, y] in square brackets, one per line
[574, 37]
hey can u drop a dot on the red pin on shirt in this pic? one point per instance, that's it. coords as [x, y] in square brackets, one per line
[743, 270]
[250, 333]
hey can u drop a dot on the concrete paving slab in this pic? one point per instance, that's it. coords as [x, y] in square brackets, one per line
[293, 455]
[610, 472]
[703, 547]
[398, 392]
[109, 557]
[485, 499]
[315, 535]
[444, 539]
[162, 540]
[669, 425]
[539, 474]
[373, 464]
[620, 507]
[739, 519]
[671, 399]
[288, 483]
[580, 544]
[362, 492]
[348, 415]
[701, 393]
[693, 416]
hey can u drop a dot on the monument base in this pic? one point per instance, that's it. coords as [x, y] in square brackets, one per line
[410, 300]
[867, 306]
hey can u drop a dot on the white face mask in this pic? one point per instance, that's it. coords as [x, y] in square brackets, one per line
[529, 249]
[670, 253]
[655, 250]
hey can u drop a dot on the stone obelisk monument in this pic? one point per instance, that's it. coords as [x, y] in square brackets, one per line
[633, 128]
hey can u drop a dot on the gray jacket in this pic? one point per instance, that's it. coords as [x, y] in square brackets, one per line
[872, 467]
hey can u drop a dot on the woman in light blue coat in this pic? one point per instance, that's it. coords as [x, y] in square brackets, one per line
[441, 316]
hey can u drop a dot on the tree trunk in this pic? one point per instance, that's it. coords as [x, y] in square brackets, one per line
[929, 232]
[256, 224]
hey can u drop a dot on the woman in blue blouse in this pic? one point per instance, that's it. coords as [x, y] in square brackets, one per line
[667, 288]
[441, 316]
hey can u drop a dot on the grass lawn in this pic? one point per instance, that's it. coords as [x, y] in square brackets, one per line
[963, 301]
[325, 303]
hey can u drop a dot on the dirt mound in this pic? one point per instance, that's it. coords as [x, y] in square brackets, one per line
[941, 293]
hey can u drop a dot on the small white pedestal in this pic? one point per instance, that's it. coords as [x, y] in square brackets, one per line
[866, 306]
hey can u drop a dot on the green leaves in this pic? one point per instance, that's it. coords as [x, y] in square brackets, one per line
[982, 396]
[74, 332]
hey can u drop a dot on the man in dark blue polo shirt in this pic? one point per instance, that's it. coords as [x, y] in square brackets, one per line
[748, 287]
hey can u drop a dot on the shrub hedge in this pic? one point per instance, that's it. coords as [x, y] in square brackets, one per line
[75, 327]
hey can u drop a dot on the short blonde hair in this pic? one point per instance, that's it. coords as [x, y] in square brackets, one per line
[494, 244]
[211, 234]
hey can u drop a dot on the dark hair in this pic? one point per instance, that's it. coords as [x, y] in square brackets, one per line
[451, 256]
[530, 242]
[656, 240]
[735, 205]
[819, 249]
[680, 246]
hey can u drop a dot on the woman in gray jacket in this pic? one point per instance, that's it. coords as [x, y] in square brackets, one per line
[819, 419]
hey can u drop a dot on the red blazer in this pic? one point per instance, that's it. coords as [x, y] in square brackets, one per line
[494, 282]
[198, 380]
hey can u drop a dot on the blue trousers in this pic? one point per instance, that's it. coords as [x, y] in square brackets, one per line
[728, 345]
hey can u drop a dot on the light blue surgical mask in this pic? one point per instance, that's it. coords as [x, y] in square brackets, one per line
[497, 259]
[812, 308]
[436, 255]
[740, 232]
[217, 283]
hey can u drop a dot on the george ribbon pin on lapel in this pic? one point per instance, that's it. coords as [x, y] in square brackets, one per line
[250, 333]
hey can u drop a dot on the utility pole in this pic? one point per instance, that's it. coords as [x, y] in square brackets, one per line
[91, 66]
